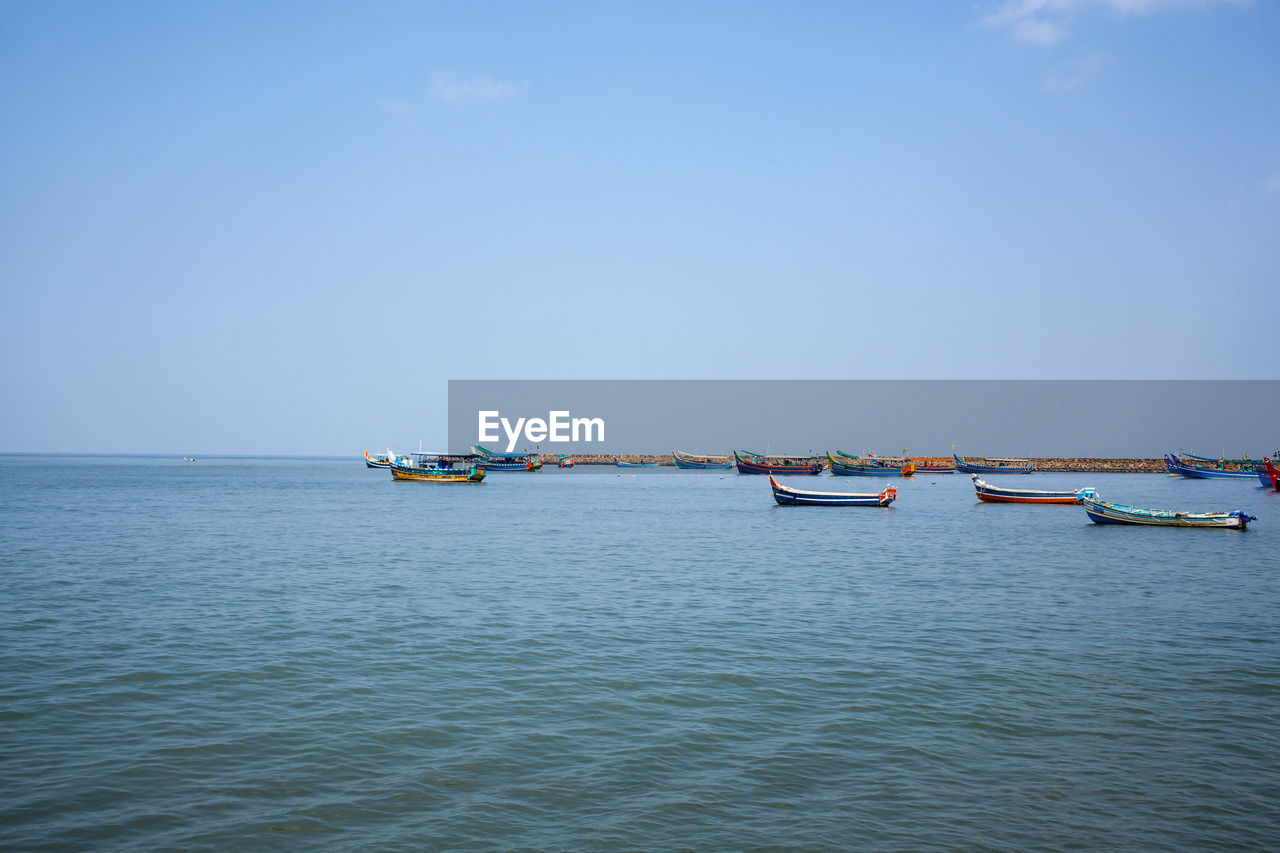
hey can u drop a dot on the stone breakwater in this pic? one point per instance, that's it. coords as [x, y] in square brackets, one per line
[1048, 463]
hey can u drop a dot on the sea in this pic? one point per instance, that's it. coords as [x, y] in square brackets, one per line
[243, 654]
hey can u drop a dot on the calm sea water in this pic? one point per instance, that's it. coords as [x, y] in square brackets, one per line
[304, 654]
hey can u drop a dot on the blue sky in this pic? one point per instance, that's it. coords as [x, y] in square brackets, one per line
[282, 227]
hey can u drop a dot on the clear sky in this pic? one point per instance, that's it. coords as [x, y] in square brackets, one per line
[281, 227]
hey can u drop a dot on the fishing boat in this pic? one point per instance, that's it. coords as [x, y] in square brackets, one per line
[490, 461]
[923, 464]
[1178, 467]
[622, 464]
[564, 461]
[995, 494]
[1102, 512]
[1269, 474]
[435, 468]
[380, 460]
[755, 463]
[995, 465]
[845, 465]
[787, 496]
[702, 463]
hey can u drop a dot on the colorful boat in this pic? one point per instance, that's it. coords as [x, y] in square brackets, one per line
[702, 463]
[442, 468]
[787, 496]
[564, 461]
[755, 463]
[382, 460]
[1180, 468]
[1269, 474]
[1000, 466]
[924, 464]
[490, 461]
[1102, 512]
[622, 464]
[845, 465]
[995, 494]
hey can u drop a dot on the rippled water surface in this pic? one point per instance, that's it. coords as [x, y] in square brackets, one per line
[245, 653]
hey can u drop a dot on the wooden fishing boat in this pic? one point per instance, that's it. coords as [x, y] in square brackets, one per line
[995, 494]
[923, 464]
[381, 460]
[443, 468]
[995, 465]
[755, 463]
[845, 465]
[622, 464]
[702, 463]
[1102, 512]
[787, 496]
[564, 461]
[1202, 471]
[490, 461]
[1269, 474]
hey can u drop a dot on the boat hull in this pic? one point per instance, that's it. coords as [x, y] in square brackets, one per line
[1102, 512]
[786, 496]
[436, 475]
[1196, 472]
[747, 467]
[995, 494]
[636, 464]
[693, 463]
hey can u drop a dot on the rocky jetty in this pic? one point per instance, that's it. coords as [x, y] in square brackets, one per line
[1051, 463]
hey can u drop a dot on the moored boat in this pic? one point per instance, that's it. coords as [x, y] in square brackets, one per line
[564, 461]
[845, 465]
[380, 460]
[995, 494]
[702, 463]
[994, 465]
[622, 464]
[490, 461]
[787, 496]
[1104, 512]
[923, 464]
[1205, 471]
[436, 468]
[755, 463]
[1269, 474]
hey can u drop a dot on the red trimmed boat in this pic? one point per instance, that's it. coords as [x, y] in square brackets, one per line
[995, 494]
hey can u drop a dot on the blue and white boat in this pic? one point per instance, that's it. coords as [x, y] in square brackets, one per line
[1181, 468]
[787, 496]
[1103, 512]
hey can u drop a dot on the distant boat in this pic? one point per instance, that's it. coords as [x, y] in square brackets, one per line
[564, 461]
[787, 496]
[704, 463]
[994, 494]
[380, 460]
[1102, 512]
[490, 461]
[1000, 466]
[1177, 466]
[870, 466]
[443, 468]
[193, 459]
[755, 463]
[924, 464]
[622, 464]
[1269, 474]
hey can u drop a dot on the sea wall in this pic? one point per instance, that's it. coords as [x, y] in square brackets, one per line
[1121, 466]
